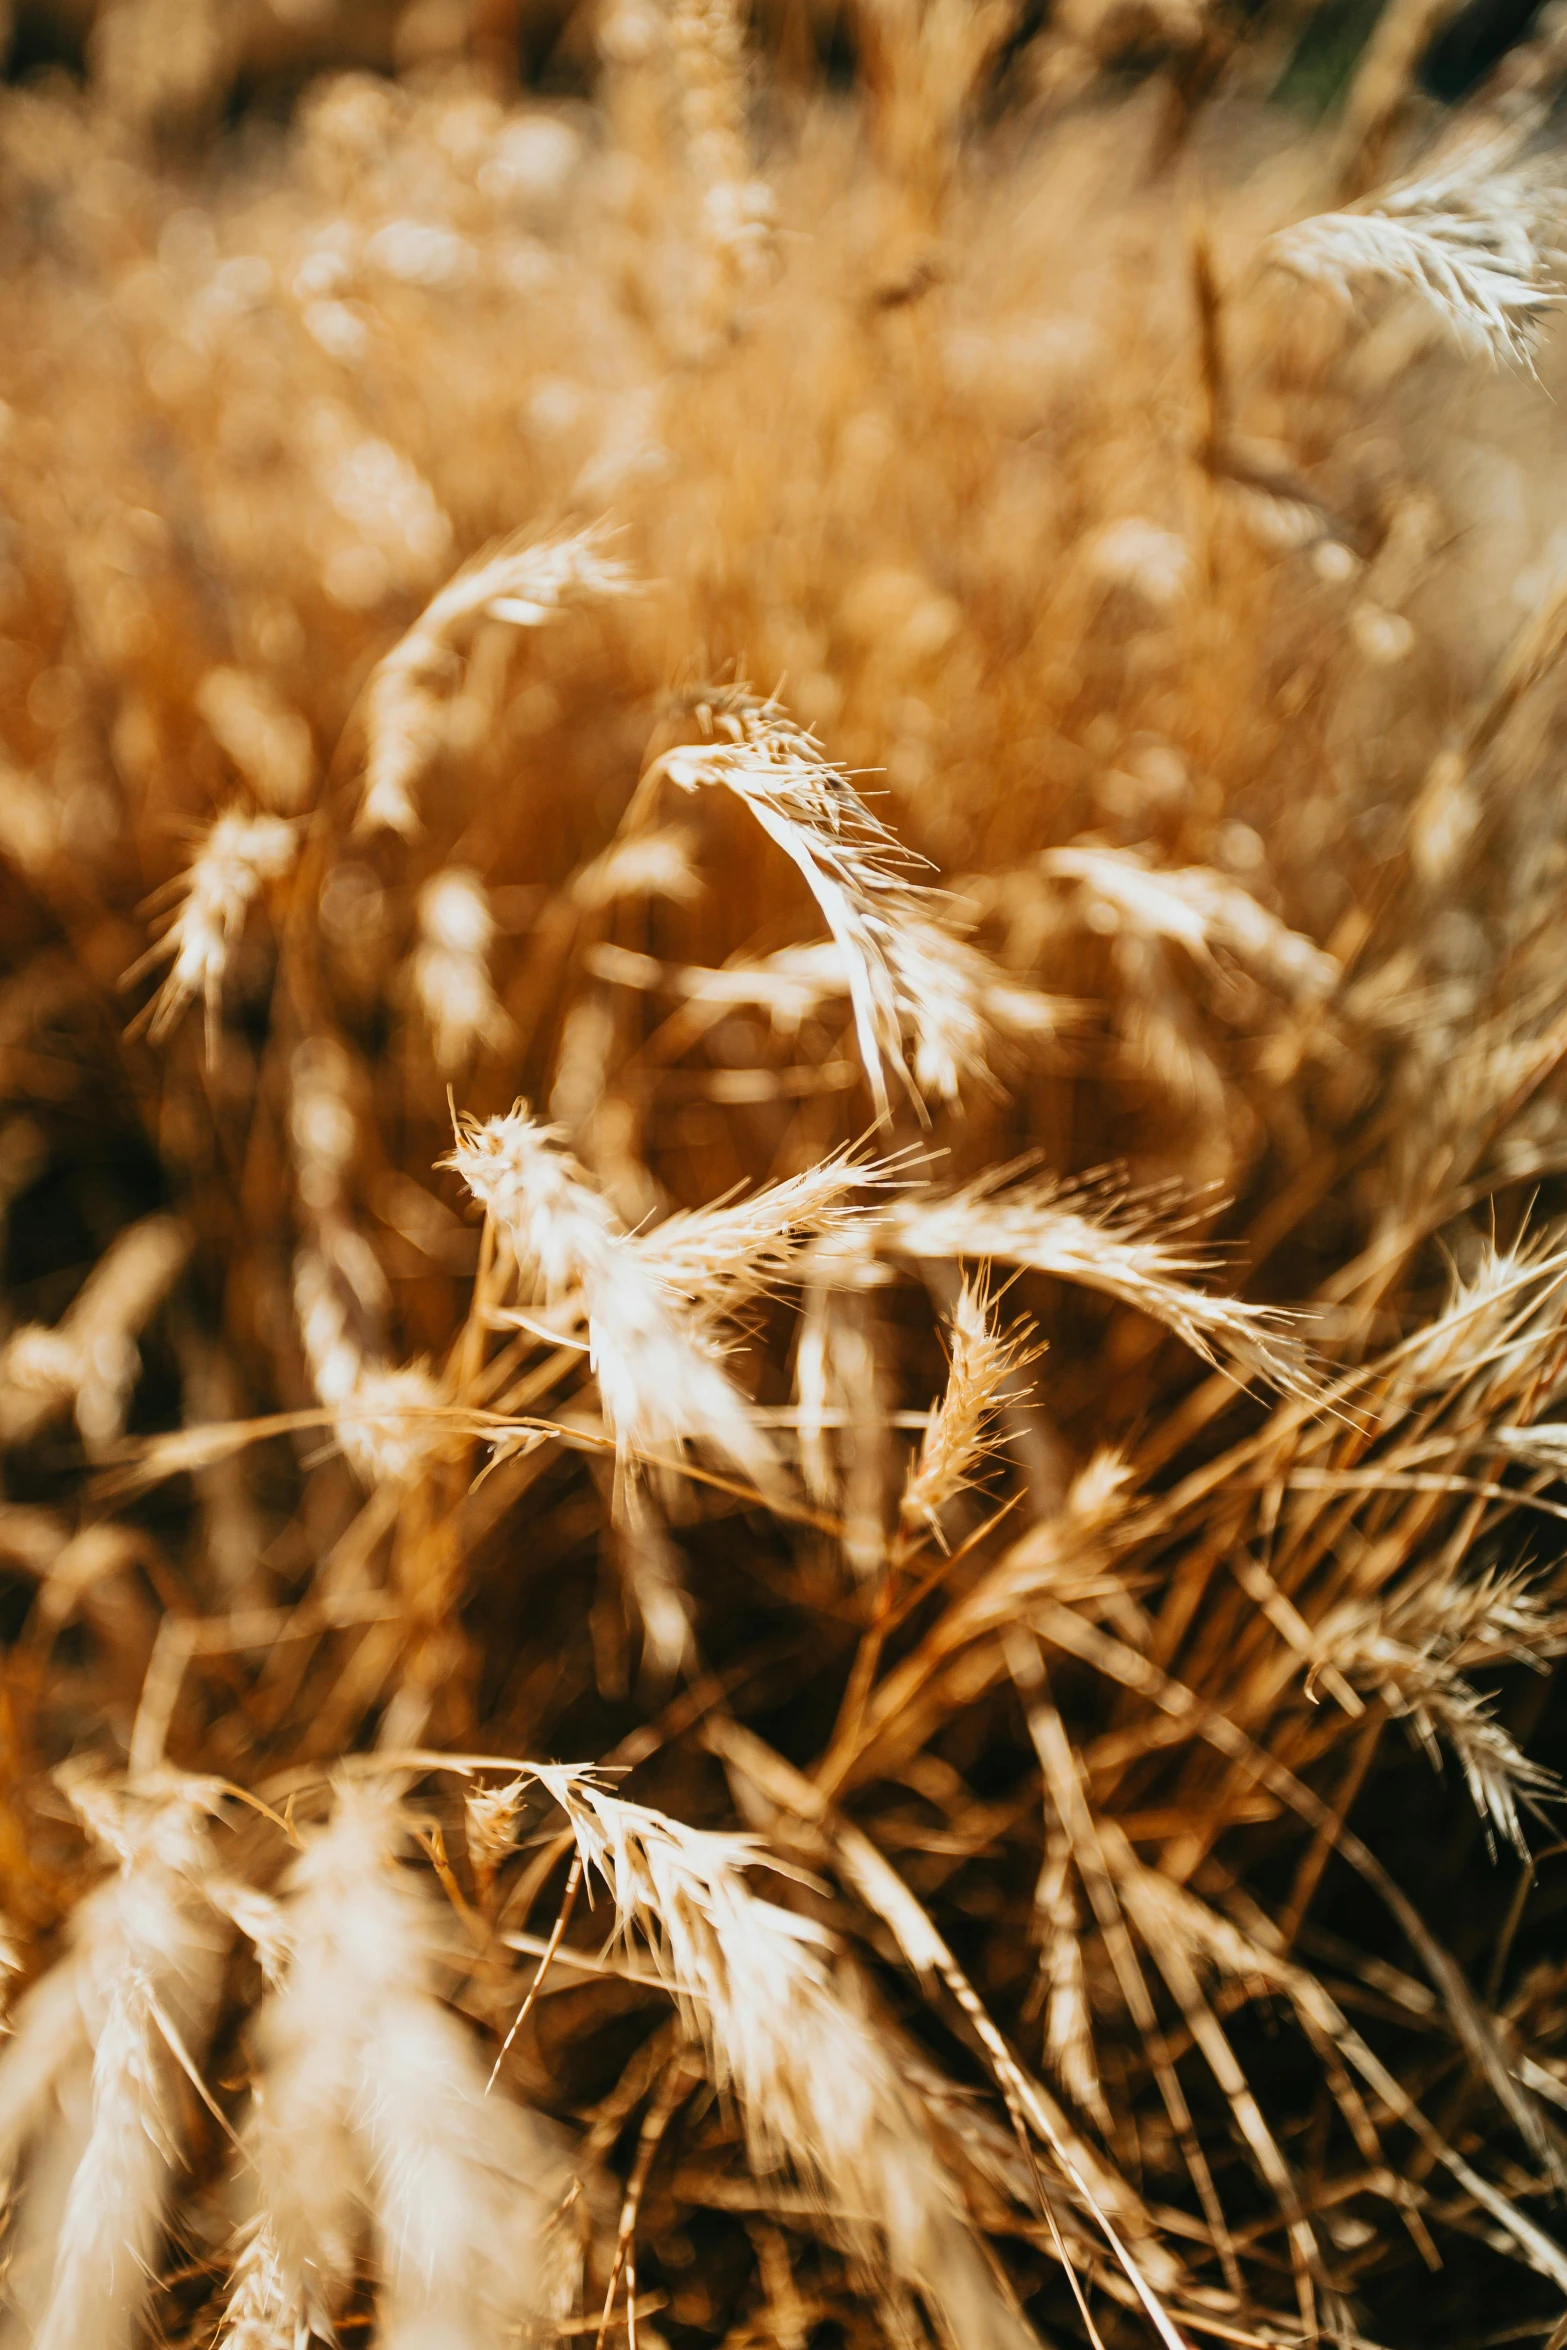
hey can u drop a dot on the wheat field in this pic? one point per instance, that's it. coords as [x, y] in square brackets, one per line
[783, 1000]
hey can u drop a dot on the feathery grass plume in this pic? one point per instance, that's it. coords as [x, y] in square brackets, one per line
[1097, 1234]
[1472, 237]
[92, 2083]
[902, 967]
[1412, 1648]
[526, 585]
[450, 969]
[239, 854]
[983, 1363]
[371, 2114]
[1499, 1314]
[955, 1001]
[88, 1362]
[818, 2093]
[109, 2227]
[490, 1816]
[718, 1259]
[1201, 911]
[1208, 643]
[392, 1422]
[260, 2312]
[660, 1386]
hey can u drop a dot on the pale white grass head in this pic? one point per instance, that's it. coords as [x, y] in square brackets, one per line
[391, 1419]
[1202, 911]
[861, 878]
[373, 2133]
[93, 2080]
[718, 1259]
[983, 1371]
[323, 1126]
[1099, 1235]
[261, 2309]
[523, 585]
[110, 2225]
[239, 854]
[1502, 1309]
[946, 989]
[787, 2031]
[490, 1815]
[1412, 1650]
[660, 1384]
[537, 1197]
[394, 1424]
[1474, 237]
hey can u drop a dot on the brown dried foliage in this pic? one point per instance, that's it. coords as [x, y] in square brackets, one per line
[782, 1007]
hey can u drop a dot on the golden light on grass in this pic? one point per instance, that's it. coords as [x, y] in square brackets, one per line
[859, 775]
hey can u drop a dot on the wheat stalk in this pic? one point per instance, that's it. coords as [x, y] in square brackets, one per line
[816, 2089]
[371, 2113]
[659, 1383]
[91, 2083]
[903, 970]
[238, 855]
[1470, 237]
[524, 584]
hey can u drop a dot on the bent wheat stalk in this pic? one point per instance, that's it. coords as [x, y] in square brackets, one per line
[525, 585]
[659, 1382]
[1471, 237]
[783, 2026]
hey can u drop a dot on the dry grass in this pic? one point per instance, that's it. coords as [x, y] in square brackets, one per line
[782, 1130]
